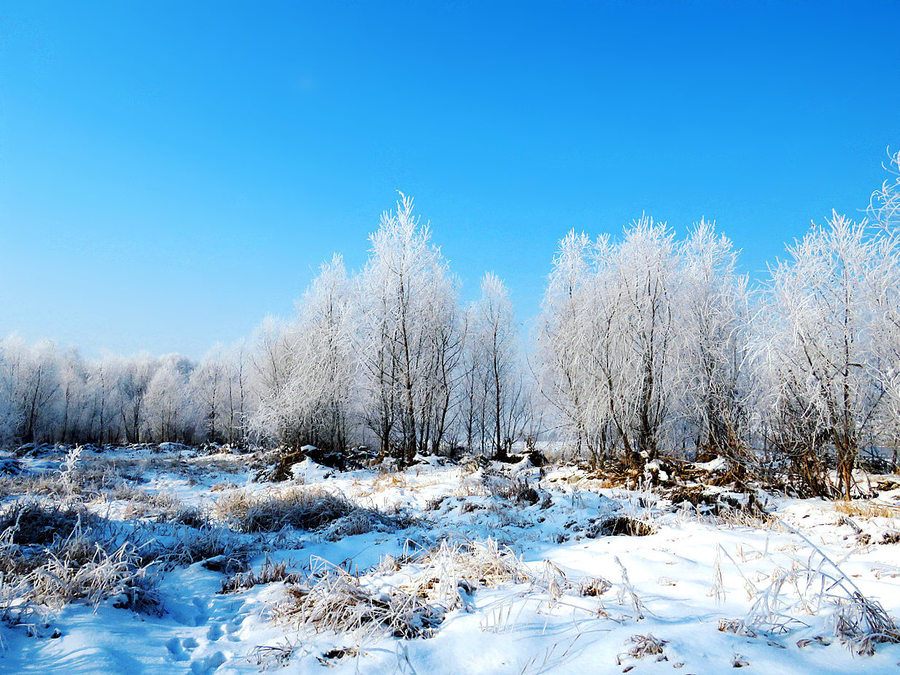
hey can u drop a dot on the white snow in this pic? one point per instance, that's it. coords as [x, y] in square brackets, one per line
[664, 584]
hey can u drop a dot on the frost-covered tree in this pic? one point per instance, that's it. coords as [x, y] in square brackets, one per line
[713, 328]
[606, 342]
[495, 369]
[132, 382]
[884, 207]
[326, 365]
[208, 388]
[30, 384]
[408, 335]
[311, 367]
[272, 361]
[819, 340]
[170, 413]
[564, 384]
[644, 276]
[240, 397]
[73, 377]
[11, 412]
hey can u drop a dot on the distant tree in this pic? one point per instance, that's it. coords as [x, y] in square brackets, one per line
[32, 382]
[134, 376]
[607, 340]
[240, 397]
[74, 395]
[170, 414]
[324, 366]
[495, 365]
[272, 361]
[208, 387]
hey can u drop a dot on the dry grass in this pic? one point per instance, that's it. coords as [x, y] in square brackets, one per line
[218, 548]
[643, 646]
[865, 509]
[300, 508]
[56, 556]
[337, 601]
[271, 657]
[30, 523]
[815, 586]
[83, 569]
[593, 587]
[620, 526]
[435, 581]
[270, 572]
[516, 490]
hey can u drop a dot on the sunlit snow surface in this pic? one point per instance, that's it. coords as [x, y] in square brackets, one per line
[510, 628]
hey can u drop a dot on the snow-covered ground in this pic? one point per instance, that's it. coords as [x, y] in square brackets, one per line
[447, 568]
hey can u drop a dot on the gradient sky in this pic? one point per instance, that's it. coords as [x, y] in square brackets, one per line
[172, 172]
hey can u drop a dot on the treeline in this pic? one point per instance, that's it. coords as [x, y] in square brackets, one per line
[647, 345]
[59, 397]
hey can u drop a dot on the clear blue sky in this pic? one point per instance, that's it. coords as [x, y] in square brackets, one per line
[172, 172]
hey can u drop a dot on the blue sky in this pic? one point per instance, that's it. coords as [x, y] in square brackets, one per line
[170, 172]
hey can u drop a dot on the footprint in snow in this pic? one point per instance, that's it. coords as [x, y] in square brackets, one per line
[194, 614]
[207, 665]
[179, 648]
[176, 650]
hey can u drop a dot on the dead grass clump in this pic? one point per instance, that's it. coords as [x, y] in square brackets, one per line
[304, 509]
[731, 509]
[217, 547]
[892, 537]
[866, 509]
[643, 646]
[471, 507]
[54, 556]
[337, 601]
[269, 573]
[270, 657]
[190, 516]
[469, 564]
[359, 521]
[32, 523]
[332, 656]
[861, 623]
[11, 466]
[437, 580]
[515, 490]
[735, 626]
[301, 508]
[389, 479]
[83, 569]
[622, 526]
[594, 587]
